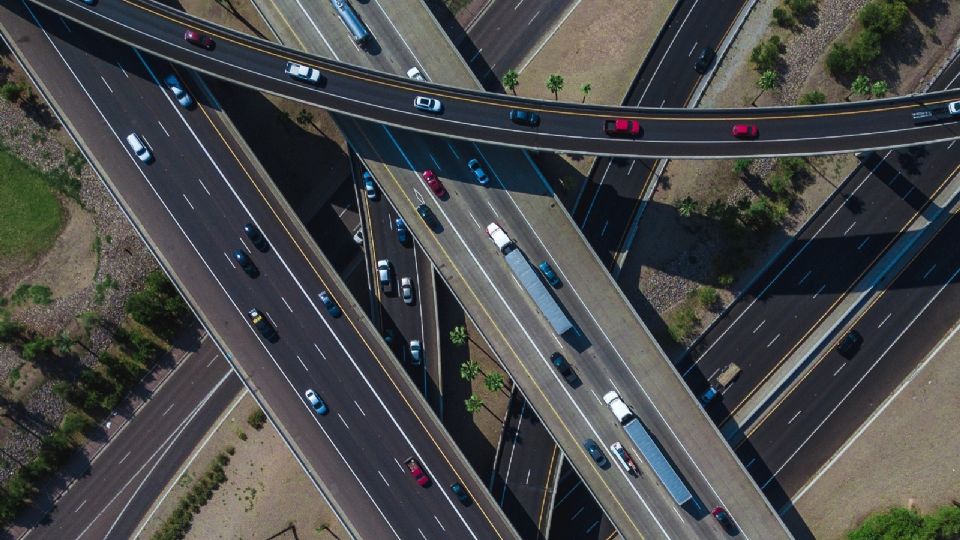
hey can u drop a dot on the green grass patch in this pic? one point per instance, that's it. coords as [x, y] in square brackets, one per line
[15, 375]
[32, 216]
[456, 5]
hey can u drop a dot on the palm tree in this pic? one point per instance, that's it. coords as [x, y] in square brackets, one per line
[555, 84]
[879, 88]
[494, 382]
[586, 90]
[469, 370]
[62, 343]
[511, 80]
[458, 336]
[860, 85]
[687, 207]
[473, 403]
[304, 117]
[768, 81]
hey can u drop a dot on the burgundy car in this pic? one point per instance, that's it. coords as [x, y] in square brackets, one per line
[198, 39]
[745, 131]
[434, 183]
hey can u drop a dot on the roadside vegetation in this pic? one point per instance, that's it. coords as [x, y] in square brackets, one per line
[32, 217]
[896, 523]
[177, 525]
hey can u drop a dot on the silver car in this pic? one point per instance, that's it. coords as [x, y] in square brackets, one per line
[416, 352]
[406, 291]
[428, 104]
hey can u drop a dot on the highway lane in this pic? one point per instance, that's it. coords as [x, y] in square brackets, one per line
[899, 326]
[213, 281]
[134, 468]
[797, 291]
[610, 200]
[517, 331]
[505, 34]
[567, 127]
[576, 515]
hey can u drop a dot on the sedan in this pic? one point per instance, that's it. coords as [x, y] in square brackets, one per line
[722, 517]
[850, 344]
[563, 367]
[416, 352]
[953, 108]
[461, 493]
[525, 118]
[403, 235]
[176, 88]
[262, 324]
[246, 263]
[369, 185]
[328, 303]
[548, 273]
[255, 236]
[707, 54]
[406, 291]
[428, 216]
[318, 405]
[594, 450]
[745, 131]
[434, 183]
[200, 40]
[478, 171]
[428, 104]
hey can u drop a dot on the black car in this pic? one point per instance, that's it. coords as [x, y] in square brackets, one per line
[850, 344]
[563, 367]
[524, 118]
[246, 263]
[255, 236]
[594, 450]
[704, 60]
[461, 493]
[328, 303]
[260, 321]
[428, 216]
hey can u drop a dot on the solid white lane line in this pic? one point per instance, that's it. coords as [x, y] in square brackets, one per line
[358, 406]
[163, 128]
[188, 202]
[302, 364]
[290, 309]
[773, 340]
[106, 84]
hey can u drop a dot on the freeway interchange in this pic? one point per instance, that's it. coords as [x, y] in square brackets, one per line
[296, 280]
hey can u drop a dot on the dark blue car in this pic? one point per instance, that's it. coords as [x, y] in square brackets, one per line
[246, 263]
[548, 273]
[403, 235]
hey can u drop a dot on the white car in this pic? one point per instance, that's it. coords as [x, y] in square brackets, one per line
[384, 274]
[369, 185]
[358, 237]
[428, 104]
[302, 72]
[416, 352]
[954, 107]
[415, 74]
[139, 147]
[406, 291]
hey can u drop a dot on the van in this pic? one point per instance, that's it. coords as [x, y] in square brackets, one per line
[139, 147]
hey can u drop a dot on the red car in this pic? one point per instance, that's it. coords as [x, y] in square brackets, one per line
[745, 131]
[413, 466]
[434, 183]
[198, 39]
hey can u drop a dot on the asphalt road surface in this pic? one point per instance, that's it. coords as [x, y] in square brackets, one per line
[473, 115]
[613, 193]
[193, 200]
[125, 479]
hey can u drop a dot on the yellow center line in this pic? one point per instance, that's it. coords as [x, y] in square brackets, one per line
[466, 284]
[491, 99]
[827, 313]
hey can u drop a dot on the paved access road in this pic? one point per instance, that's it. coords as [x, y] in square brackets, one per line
[612, 196]
[474, 115]
[193, 201]
[134, 468]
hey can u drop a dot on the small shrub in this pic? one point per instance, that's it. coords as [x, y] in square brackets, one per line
[768, 55]
[20, 295]
[815, 97]
[725, 280]
[840, 60]
[801, 8]
[708, 297]
[41, 295]
[684, 323]
[11, 91]
[257, 418]
[865, 48]
[242, 435]
[783, 18]
[884, 17]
